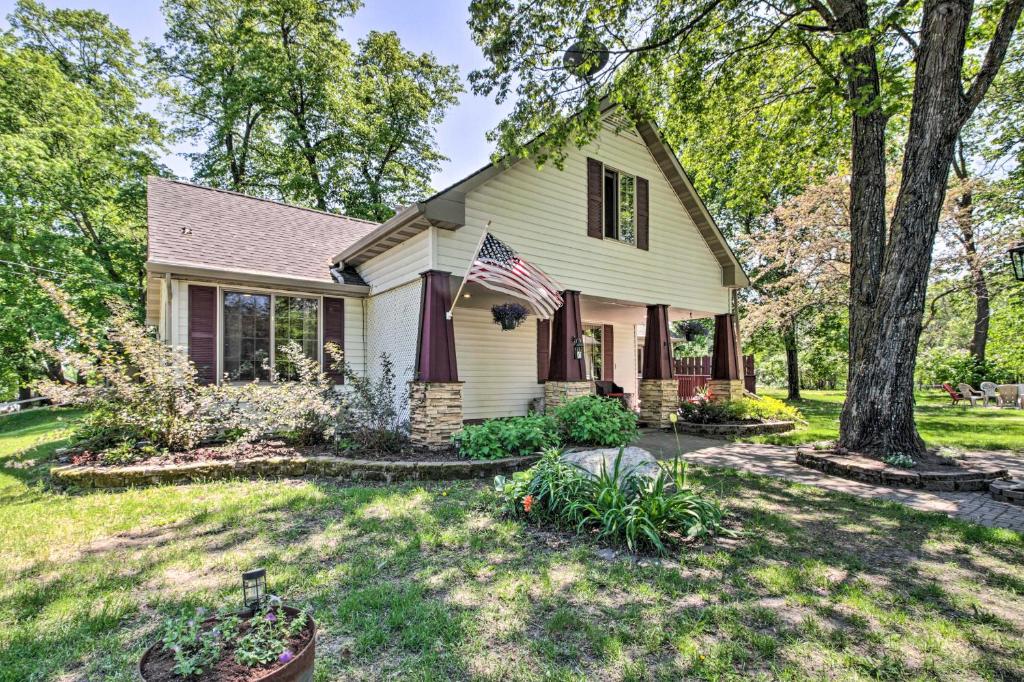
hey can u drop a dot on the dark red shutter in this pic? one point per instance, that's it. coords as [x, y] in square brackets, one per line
[334, 332]
[608, 349]
[643, 214]
[595, 198]
[543, 350]
[202, 332]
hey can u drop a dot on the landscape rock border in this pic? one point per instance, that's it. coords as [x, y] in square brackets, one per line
[98, 477]
[734, 429]
[1011, 491]
[976, 479]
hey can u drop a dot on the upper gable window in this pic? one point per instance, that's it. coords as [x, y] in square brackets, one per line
[619, 206]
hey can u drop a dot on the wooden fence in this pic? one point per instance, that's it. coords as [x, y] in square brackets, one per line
[694, 373]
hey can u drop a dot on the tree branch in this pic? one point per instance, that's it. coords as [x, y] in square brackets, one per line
[993, 57]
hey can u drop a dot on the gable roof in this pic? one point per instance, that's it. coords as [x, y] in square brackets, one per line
[447, 210]
[201, 227]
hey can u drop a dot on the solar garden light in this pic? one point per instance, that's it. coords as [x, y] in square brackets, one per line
[254, 588]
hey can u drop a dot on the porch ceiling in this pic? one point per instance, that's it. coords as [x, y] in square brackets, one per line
[592, 308]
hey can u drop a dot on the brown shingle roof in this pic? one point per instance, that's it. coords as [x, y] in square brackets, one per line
[201, 226]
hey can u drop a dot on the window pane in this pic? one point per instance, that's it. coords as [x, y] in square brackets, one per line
[246, 336]
[627, 209]
[592, 354]
[295, 319]
[611, 202]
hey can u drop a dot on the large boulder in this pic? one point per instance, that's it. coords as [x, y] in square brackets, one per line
[634, 460]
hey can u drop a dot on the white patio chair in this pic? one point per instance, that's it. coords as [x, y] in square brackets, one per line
[1009, 395]
[989, 390]
[970, 394]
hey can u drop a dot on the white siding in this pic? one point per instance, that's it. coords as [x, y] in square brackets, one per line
[542, 214]
[392, 323]
[498, 368]
[398, 265]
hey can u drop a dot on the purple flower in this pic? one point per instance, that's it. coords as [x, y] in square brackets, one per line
[286, 656]
[271, 617]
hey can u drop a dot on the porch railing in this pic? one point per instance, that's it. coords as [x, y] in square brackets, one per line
[694, 373]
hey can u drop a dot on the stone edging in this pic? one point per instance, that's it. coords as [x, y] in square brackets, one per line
[1007, 491]
[962, 480]
[85, 476]
[694, 429]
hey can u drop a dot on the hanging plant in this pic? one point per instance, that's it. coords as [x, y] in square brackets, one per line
[691, 330]
[509, 315]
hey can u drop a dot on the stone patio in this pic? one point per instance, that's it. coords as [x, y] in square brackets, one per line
[780, 461]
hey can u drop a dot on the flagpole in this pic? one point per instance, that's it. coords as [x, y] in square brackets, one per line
[455, 302]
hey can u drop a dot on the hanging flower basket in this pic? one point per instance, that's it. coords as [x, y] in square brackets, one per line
[691, 330]
[509, 315]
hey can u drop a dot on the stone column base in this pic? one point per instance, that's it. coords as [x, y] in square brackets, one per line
[558, 392]
[658, 399]
[435, 413]
[726, 389]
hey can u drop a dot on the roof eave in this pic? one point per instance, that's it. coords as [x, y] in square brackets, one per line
[267, 279]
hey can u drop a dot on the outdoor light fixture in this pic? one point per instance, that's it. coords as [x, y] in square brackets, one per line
[254, 588]
[1017, 259]
[577, 345]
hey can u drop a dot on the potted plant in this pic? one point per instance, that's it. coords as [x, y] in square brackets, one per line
[691, 330]
[509, 315]
[270, 642]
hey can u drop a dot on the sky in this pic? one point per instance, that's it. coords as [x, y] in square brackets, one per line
[437, 26]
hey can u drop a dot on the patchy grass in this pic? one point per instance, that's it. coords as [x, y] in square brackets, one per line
[427, 583]
[939, 423]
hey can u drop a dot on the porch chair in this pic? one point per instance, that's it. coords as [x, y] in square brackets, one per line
[610, 389]
[954, 396]
[989, 389]
[970, 395]
[1009, 395]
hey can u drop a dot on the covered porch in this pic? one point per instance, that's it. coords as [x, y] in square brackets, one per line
[589, 341]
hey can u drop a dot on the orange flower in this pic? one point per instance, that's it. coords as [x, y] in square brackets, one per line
[528, 503]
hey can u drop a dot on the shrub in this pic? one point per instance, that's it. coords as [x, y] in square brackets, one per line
[511, 437]
[701, 411]
[900, 460]
[370, 419]
[618, 507]
[592, 420]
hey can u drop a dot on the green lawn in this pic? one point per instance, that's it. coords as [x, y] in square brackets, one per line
[940, 424]
[426, 582]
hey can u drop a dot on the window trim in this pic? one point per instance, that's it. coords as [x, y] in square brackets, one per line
[599, 326]
[605, 168]
[273, 293]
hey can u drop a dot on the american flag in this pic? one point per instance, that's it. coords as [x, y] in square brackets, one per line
[497, 267]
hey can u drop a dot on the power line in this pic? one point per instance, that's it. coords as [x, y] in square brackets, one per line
[98, 282]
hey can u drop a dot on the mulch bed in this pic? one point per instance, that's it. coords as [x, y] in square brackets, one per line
[933, 472]
[158, 664]
[266, 448]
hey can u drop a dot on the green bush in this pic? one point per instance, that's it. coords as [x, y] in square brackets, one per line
[592, 420]
[617, 507]
[739, 410]
[510, 437]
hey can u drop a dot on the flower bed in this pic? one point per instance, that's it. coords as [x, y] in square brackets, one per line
[744, 417]
[283, 466]
[927, 476]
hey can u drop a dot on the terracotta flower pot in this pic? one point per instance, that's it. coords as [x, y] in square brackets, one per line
[299, 669]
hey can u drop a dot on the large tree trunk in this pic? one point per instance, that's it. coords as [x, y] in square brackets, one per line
[979, 285]
[878, 416]
[792, 364]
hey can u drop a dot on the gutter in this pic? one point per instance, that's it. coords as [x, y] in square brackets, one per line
[256, 277]
[392, 224]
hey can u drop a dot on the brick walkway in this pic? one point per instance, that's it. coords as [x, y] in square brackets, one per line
[774, 460]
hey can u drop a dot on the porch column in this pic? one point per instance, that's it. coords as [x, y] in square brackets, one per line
[567, 374]
[659, 390]
[726, 368]
[435, 395]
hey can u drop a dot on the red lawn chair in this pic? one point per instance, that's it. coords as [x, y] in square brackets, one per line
[952, 393]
